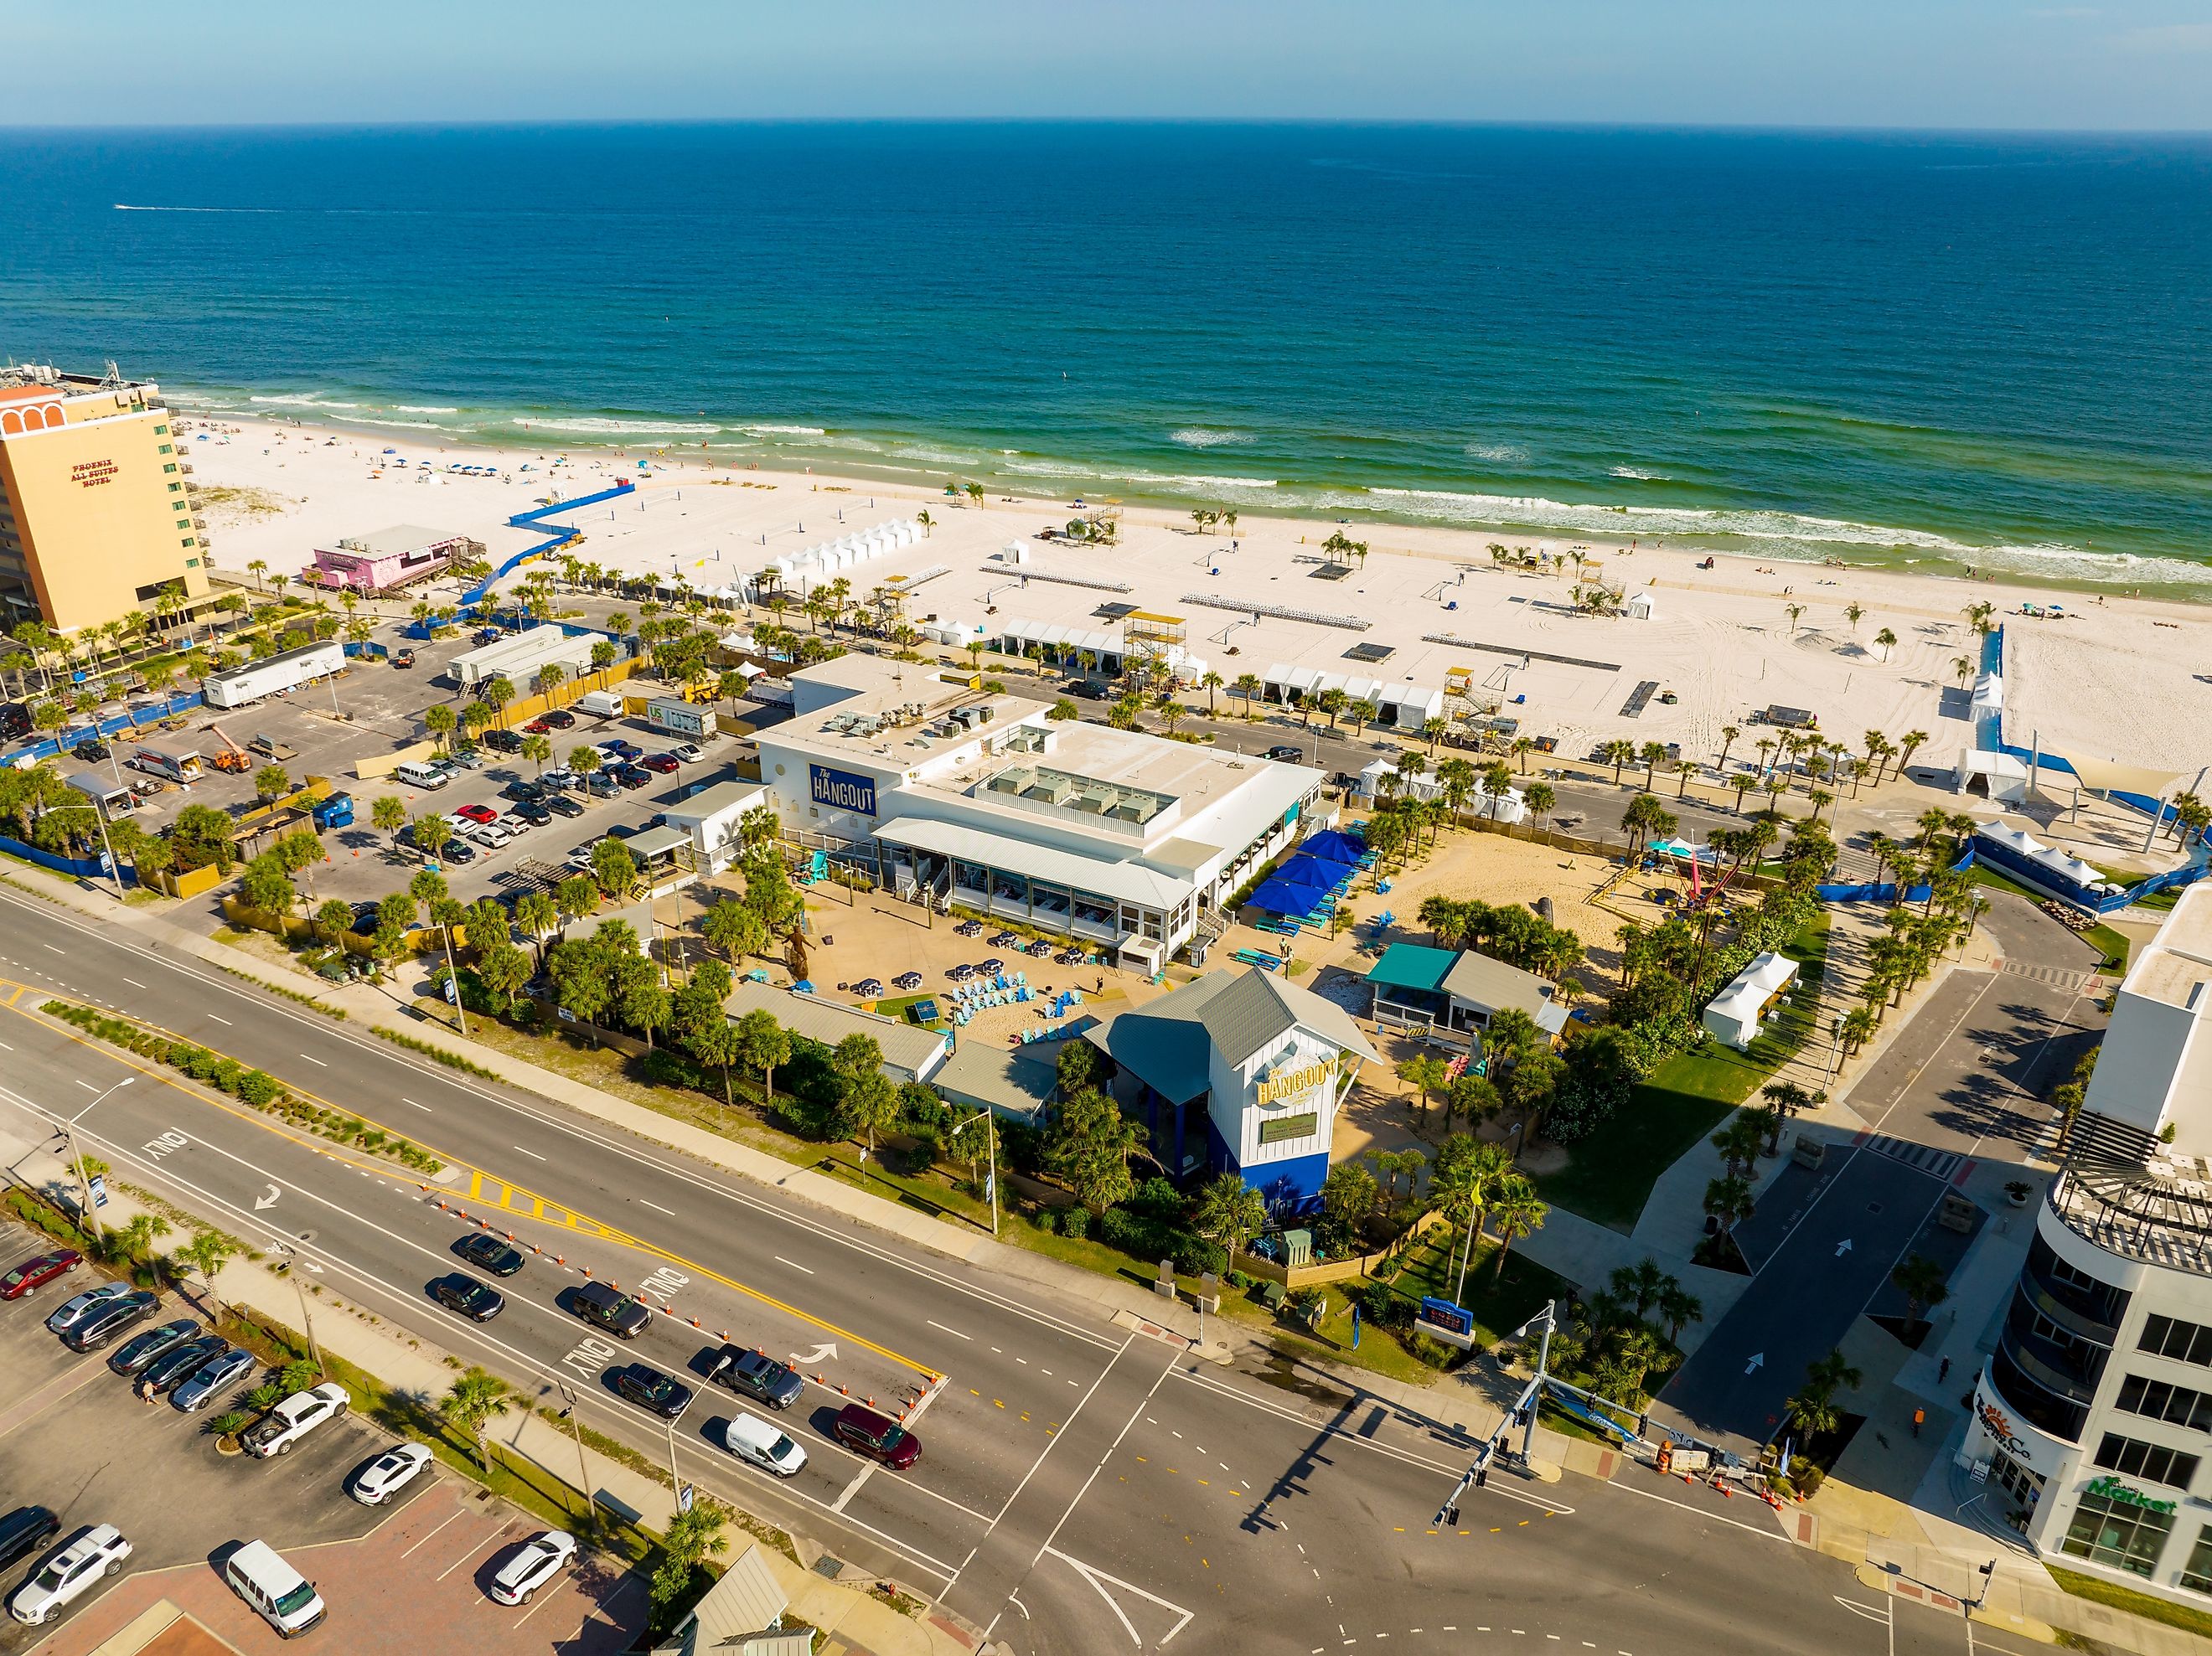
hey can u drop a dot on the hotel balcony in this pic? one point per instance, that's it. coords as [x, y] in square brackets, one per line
[2159, 1213]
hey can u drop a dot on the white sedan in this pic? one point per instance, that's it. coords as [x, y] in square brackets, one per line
[490, 836]
[687, 753]
[536, 1561]
[388, 1474]
[95, 1551]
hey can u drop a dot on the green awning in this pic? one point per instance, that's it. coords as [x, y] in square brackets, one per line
[1411, 966]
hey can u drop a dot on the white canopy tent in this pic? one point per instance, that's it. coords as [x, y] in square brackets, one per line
[1734, 1015]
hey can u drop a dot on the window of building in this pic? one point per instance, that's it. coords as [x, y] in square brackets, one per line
[2197, 1574]
[184, 523]
[2113, 1532]
[971, 877]
[171, 466]
[176, 488]
[187, 541]
[192, 563]
[169, 448]
[2152, 1460]
[2169, 1337]
[161, 431]
[1009, 888]
[2157, 1400]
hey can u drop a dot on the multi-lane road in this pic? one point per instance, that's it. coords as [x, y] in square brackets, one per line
[1081, 1488]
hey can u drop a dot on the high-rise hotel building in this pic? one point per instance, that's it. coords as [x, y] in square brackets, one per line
[96, 505]
[2093, 1417]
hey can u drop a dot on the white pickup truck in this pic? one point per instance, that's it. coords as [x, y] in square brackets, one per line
[275, 1432]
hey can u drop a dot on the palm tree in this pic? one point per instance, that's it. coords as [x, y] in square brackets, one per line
[208, 1253]
[1922, 1281]
[1618, 753]
[1516, 1211]
[1434, 729]
[1854, 614]
[1729, 1200]
[1793, 610]
[1887, 640]
[1909, 744]
[1785, 1099]
[1247, 686]
[472, 1403]
[1230, 1212]
[1729, 734]
[1464, 1184]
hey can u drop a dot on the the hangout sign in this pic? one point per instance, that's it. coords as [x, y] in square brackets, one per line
[841, 790]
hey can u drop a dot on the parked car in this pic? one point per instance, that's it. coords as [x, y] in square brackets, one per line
[611, 1309]
[364, 914]
[460, 852]
[195, 1394]
[490, 836]
[559, 776]
[527, 793]
[560, 805]
[619, 748]
[177, 1365]
[33, 1274]
[403, 658]
[95, 1551]
[70, 1313]
[24, 1531]
[388, 1474]
[601, 784]
[752, 1439]
[488, 1253]
[502, 741]
[660, 764]
[634, 777]
[559, 717]
[877, 1437]
[476, 813]
[649, 1389]
[91, 748]
[135, 1354]
[468, 758]
[530, 816]
[275, 1592]
[538, 727]
[110, 1319]
[687, 753]
[275, 1432]
[536, 1561]
[1288, 754]
[468, 1296]
[755, 1376]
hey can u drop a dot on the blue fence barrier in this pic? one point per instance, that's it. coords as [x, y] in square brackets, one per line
[51, 747]
[540, 517]
[83, 868]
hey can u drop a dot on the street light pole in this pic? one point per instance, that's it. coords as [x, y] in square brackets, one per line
[307, 1326]
[576, 1427]
[990, 1179]
[84, 1183]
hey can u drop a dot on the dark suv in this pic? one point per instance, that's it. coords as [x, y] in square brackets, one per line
[750, 1375]
[648, 1388]
[878, 1437]
[24, 1531]
[488, 1253]
[610, 1308]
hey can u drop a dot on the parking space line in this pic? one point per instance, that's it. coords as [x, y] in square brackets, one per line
[455, 1517]
[474, 1547]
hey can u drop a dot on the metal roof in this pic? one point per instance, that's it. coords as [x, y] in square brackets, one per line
[1411, 966]
[915, 1053]
[1125, 882]
[1165, 1042]
[1493, 986]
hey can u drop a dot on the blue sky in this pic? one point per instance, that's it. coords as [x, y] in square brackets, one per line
[2133, 64]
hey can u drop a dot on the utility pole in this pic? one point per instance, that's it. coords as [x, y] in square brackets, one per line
[307, 1323]
[91, 1213]
[453, 980]
[991, 1178]
[576, 1427]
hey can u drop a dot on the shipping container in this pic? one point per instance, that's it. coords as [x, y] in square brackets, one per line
[258, 680]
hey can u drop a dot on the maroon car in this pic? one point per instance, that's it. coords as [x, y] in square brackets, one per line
[34, 1274]
[878, 1437]
[663, 762]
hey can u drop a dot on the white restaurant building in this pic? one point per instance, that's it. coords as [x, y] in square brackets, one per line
[1128, 843]
[2093, 1417]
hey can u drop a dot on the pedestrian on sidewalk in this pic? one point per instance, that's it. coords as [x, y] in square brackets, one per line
[1918, 1415]
[1942, 1371]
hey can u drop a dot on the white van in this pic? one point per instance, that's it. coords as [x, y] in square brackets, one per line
[750, 1438]
[426, 777]
[281, 1596]
[598, 704]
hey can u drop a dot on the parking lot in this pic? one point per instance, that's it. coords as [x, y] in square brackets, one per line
[74, 1438]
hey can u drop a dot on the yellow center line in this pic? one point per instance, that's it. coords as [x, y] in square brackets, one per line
[509, 1190]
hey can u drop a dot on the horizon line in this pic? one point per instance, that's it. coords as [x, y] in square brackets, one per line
[433, 123]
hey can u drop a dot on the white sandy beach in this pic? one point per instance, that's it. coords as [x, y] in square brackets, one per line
[2113, 680]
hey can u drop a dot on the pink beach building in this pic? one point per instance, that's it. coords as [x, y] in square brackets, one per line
[391, 558]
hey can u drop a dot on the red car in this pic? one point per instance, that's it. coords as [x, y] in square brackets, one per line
[34, 1274]
[664, 763]
[476, 813]
[538, 727]
[878, 1437]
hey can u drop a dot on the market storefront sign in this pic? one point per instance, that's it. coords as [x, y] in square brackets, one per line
[2111, 1488]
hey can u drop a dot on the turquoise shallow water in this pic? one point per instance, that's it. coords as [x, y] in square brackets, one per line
[1938, 350]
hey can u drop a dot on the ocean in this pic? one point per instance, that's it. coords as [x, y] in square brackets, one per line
[1931, 351]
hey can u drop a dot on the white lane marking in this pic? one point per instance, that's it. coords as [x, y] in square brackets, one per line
[225, 1022]
[87, 1086]
[5, 1047]
[134, 983]
[57, 951]
[425, 1108]
[954, 1332]
[533, 1154]
[316, 1062]
[793, 1264]
[853, 1488]
[456, 1518]
[656, 1207]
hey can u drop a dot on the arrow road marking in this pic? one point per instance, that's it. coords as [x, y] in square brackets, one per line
[1758, 1361]
[826, 1352]
[1843, 1247]
[260, 1203]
